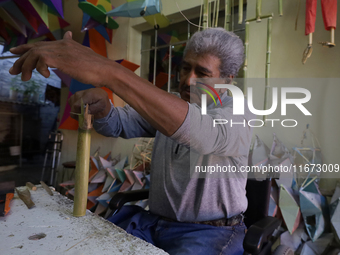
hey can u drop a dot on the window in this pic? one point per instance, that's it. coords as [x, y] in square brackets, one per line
[169, 48]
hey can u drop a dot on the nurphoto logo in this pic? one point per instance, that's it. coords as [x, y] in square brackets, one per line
[239, 104]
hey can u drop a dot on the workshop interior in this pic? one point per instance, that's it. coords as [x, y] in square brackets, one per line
[61, 180]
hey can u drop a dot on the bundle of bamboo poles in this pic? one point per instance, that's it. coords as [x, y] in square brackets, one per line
[210, 20]
[82, 162]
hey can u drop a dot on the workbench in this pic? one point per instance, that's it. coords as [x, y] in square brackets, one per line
[49, 228]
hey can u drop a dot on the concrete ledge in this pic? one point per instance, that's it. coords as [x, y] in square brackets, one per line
[61, 233]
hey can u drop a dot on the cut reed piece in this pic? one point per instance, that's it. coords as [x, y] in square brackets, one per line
[333, 35]
[309, 49]
[267, 75]
[31, 186]
[82, 162]
[240, 11]
[25, 196]
[44, 185]
[330, 44]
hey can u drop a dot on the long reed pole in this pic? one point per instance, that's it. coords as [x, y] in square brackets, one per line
[267, 75]
[82, 162]
[246, 52]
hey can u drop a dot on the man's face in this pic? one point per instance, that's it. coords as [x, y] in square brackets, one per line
[197, 66]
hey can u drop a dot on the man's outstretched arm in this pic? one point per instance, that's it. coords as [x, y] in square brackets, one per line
[164, 111]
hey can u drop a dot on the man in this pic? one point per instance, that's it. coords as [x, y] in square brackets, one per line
[188, 214]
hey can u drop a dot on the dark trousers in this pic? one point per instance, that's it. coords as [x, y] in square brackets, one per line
[179, 237]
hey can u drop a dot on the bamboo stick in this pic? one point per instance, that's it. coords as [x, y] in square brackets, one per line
[82, 162]
[310, 39]
[227, 15]
[205, 14]
[25, 196]
[209, 14]
[280, 8]
[297, 14]
[48, 190]
[200, 21]
[214, 15]
[31, 186]
[232, 10]
[267, 75]
[261, 17]
[258, 10]
[217, 12]
[333, 35]
[309, 49]
[240, 11]
[246, 51]
[330, 44]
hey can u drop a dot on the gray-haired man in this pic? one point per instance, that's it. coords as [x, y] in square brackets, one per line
[188, 214]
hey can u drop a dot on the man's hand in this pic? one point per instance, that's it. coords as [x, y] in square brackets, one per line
[70, 57]
[163, 111]
[97, 99]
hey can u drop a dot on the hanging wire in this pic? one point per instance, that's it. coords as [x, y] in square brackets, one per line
[232, 34]
[186, 17]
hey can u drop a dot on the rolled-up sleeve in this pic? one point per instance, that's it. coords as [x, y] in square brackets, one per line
[124, 122]
[229, 139]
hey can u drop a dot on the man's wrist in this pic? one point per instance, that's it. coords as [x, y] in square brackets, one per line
[111, 75]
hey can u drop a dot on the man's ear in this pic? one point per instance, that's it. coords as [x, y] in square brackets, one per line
[230, 79]
[227, 80]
